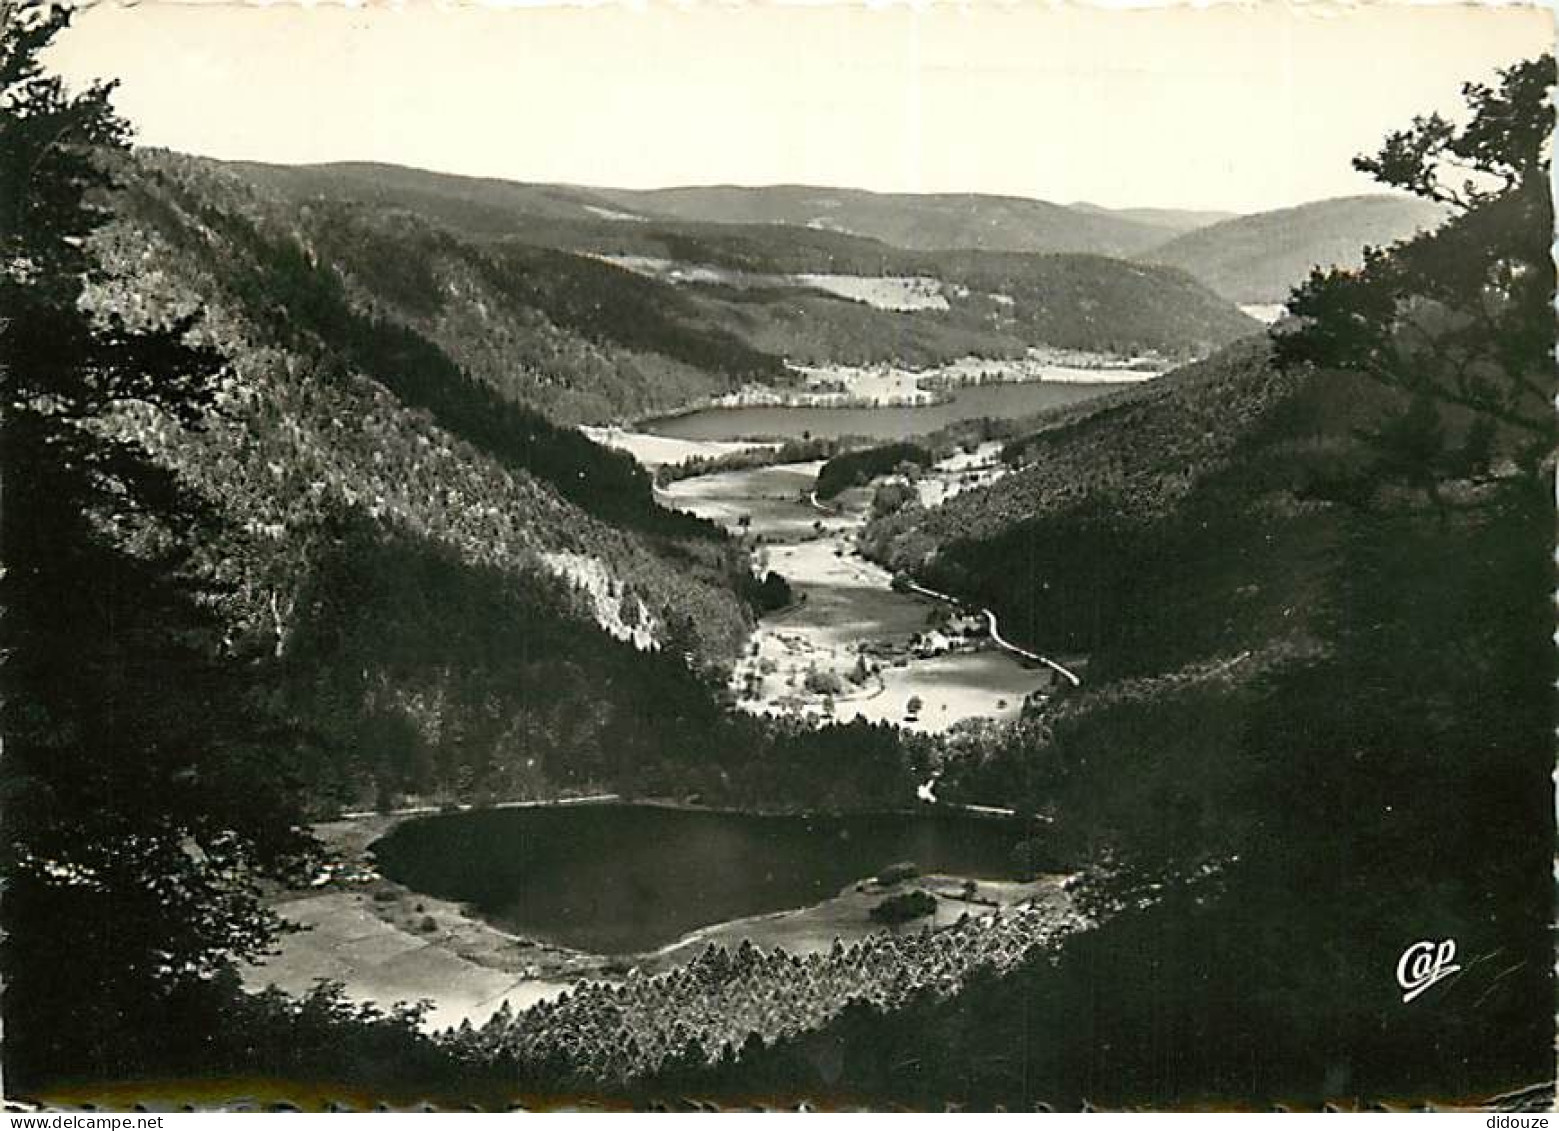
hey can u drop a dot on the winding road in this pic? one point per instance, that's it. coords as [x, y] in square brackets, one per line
[812, 498]
[1001, 642]
[854, 609]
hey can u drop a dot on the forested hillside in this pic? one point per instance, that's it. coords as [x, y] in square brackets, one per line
[922, 222]
[773, 284]
[710, 301]
[1258, 258]
[1073, 546]
[916, 221]
[1169, 220]
[569, 335]
[346, 437]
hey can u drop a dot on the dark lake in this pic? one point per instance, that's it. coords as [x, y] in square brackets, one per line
[623, 878]
[999, 401]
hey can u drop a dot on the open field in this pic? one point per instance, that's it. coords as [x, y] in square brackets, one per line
[847, 916]
[882, 292]
[1267, 312]
[960, 472]
[653, 451]
[953, 688]
[345, 940]
[770, 498]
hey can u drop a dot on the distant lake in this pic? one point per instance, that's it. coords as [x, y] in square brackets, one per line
[999, 401]
[624, 878]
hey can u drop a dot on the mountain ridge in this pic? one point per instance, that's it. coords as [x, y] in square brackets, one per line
[991, 220]
[755, 293]
[1252, 258]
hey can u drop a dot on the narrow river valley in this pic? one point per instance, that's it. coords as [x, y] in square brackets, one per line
[852, 645]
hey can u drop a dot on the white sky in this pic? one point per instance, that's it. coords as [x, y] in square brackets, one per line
[1238, 108]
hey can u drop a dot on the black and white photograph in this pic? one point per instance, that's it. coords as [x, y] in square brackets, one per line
[952, 557]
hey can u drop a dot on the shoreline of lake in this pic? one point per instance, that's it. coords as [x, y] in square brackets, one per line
[997, 399]
[622, 880]
[382, 949]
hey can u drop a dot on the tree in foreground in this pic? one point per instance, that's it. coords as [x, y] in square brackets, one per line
[141, 796]
[1459, 319]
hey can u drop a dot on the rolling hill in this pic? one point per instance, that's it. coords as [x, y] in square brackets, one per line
[1259, 258]
[924, 222]
[576, 338]
[683, 308]
[478, 205]
[1175, 220]
[920, 222]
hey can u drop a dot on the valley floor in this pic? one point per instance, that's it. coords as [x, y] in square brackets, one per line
[345, 938]
[852, 646]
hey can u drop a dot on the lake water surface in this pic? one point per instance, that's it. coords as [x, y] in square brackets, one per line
[999, 401]
[624, 878]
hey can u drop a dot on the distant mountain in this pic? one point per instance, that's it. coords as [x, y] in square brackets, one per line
[1177, 220]
[1259, 258]
[683, 308]
[923, 222]
[480, 205]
